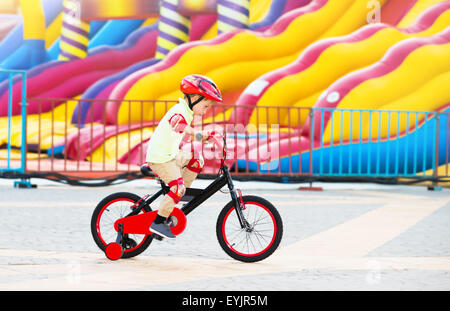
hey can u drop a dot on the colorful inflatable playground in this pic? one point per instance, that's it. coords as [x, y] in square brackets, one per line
[351, 85]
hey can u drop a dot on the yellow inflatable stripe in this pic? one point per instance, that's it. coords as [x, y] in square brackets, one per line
[284, 92]
[72, 50]
[259, 48]
[16, 155]
[258, 10]
[211, 33]
[173, 31]
[220, 117]
[423, 72]
[431, 96]
[343, 58]
[64, 58]
[34, 19]
[149, 21]
[419, 7]
[74, 36]
[225, 27]
[117, 8]
[420, 66]
[119, 143]
[354, 17]
[39, 131]
[297, 117]
[53, 31]
[166, 44]
[159, 55]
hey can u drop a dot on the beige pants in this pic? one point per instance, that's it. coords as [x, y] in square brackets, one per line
[173, 170]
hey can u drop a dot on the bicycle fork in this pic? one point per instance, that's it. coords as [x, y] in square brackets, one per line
[238, 203]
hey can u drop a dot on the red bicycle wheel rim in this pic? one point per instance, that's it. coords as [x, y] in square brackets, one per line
[254, 254]
[97, 225]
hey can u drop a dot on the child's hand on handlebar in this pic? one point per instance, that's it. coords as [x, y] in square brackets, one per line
[206, 136]
[216, 139]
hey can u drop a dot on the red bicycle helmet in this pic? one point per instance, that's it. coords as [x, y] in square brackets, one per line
[198, 84]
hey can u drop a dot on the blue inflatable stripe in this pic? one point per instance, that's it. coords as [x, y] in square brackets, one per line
[30, 54]
[407, 155]
[275, 11]
[14, 39]
[114, 32]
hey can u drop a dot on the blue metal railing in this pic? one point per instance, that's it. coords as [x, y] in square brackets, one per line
[21, 169]
[350, 142]
[364, 143]
[322, 143]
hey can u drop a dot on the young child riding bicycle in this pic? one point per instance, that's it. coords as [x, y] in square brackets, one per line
[178, 168]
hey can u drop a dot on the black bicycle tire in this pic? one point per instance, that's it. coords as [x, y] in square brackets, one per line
[278, 234]
[118, 195]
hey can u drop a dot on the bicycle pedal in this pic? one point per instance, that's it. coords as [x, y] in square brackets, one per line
[172, 221]
[158, 237]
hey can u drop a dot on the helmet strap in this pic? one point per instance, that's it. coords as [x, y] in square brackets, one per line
[192, 104]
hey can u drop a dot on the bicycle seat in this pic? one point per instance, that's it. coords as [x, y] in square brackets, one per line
[147, 171]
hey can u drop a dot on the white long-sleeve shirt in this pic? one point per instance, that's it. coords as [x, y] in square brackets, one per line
[165, 141]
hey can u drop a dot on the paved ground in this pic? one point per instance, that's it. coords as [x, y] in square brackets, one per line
[347, 237]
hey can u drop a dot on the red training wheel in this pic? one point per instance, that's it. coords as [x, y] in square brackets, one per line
[113, 251]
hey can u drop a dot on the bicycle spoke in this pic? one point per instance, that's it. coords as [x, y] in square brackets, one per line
[263, 236]
[263, 216]
[108, 218]
[237, 234]
[261, 230]
[251, 240]
[256, 236]
[236, 244]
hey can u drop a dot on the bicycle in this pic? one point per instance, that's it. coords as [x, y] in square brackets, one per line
[120, 222]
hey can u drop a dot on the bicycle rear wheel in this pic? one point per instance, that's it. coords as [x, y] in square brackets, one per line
[110, 209]
[256, 242]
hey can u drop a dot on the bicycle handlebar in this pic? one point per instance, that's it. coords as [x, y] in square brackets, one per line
[224, 147]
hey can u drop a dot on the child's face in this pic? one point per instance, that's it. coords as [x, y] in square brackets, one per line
[202, 107]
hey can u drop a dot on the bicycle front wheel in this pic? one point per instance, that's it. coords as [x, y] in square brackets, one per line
[262, 235]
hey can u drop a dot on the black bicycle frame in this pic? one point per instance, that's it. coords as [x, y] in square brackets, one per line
[195, 197]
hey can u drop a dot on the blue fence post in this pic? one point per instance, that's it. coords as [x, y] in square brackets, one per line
[321, 142]
[10, 97]
[311, 143]
[416, 124]
[340, 142]
[405, 165]
[23, 183]
[435, 152]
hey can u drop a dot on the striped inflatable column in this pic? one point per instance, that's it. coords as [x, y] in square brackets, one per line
[232, 14]
[173, 28]
[74, 33]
